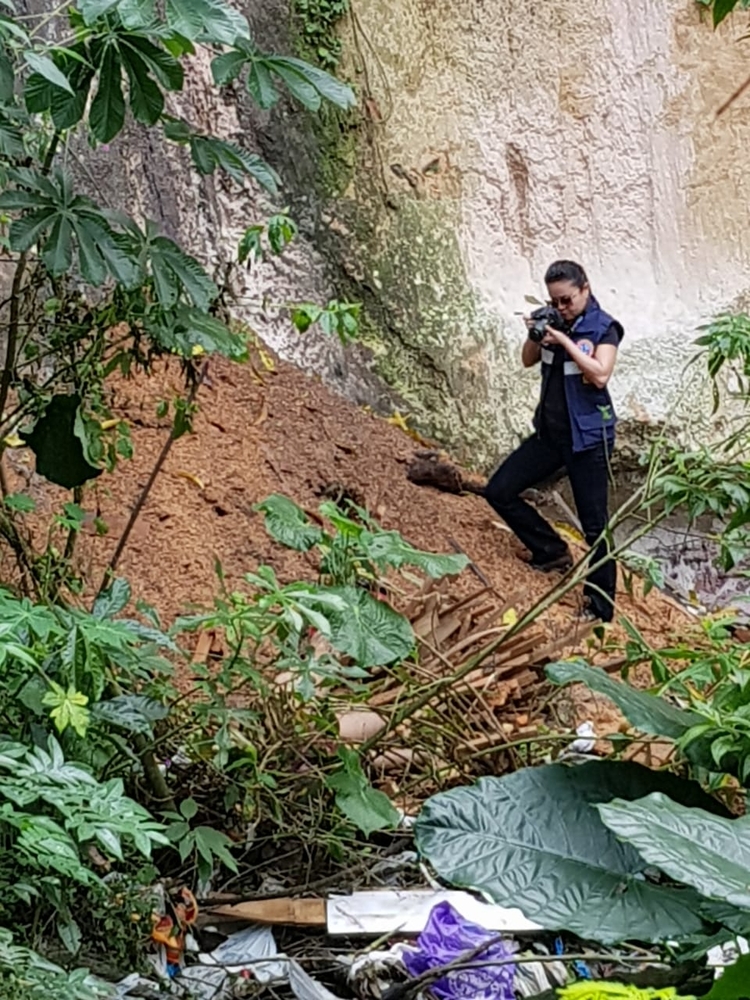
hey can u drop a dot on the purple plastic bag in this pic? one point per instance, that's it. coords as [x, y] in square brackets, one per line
[447, 937]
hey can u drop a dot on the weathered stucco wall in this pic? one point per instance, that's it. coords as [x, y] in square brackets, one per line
[490, 138]
[498, 137]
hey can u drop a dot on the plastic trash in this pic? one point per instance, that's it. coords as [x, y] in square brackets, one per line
[305, 987]
[373, 972]
[446, 938]
[252, 950]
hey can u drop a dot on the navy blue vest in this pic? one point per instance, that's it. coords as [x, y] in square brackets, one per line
[592, 415]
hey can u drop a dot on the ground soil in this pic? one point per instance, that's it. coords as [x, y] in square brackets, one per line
[281, 431]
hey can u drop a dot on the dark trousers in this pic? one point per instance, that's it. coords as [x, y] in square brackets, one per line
[538, 459]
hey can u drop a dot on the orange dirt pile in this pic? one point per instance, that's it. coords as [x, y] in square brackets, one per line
[284, 432]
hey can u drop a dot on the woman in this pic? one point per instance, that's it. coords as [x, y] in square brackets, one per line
[574, 427]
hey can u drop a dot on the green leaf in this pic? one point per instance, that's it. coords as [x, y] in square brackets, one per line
[94, 9]
[298, 85]
[207, 20]
[647, 712]
[113, 600]
[136, 13]
[388, 548]
[734, 983]
[11, 140]
[250, 245]
[324, 84]
[288, 524]
[38, 93]
[146, 100]
[722, 9]
[70, 934]
[107, 114]
[202, 152]
[7, 76]
[228, 66]
[210, 843]
[304, 315]
[174, 271]
[208, 154]
[58, 250]
[66, 109]
[281, 231]
[363, 805]
[133, 712]
[260, 85]
[59, 452]
[177, 130]
[707, 852]
[93, 266]
[27, 230]
[20, 502]
[534, 839]
[44, 66]
[68, 708]
[188, 808]
[167, 70]
[368, 630]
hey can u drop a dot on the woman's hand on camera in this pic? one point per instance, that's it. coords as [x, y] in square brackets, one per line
[553, 336]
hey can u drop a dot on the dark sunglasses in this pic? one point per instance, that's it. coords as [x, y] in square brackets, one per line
[564, 301]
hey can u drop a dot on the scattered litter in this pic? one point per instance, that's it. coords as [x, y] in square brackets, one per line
[446, 938]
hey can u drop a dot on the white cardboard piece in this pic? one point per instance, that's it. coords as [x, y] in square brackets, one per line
[405, 911]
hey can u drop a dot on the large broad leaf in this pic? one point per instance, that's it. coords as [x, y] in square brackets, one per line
[388, 548]
[648, 712]
[59, 452]
[288, 524]
[534, 840]
[708, 852]
[369, 630]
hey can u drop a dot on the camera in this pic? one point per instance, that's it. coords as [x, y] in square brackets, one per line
[541, 319]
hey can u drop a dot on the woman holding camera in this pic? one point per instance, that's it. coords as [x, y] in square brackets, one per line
[574, 428]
